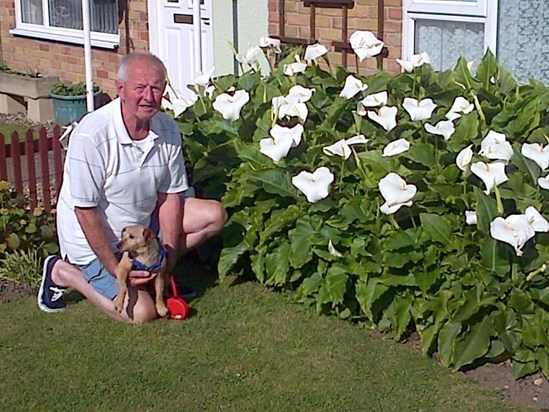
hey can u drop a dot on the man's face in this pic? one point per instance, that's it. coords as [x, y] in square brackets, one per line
[141, 94]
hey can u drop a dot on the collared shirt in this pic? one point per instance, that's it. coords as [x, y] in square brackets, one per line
[106, 169]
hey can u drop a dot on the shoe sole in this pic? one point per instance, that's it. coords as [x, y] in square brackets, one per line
[41, 305]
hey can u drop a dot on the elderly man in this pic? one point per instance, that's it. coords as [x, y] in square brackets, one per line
[124, 166]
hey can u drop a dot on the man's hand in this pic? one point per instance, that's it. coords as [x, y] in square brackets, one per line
[140, 277]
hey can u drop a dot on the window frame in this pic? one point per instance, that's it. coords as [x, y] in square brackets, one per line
[47, 32]
[477, 8]
[414, 10]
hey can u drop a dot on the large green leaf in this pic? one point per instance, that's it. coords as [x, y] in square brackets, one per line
[336, 283]
[274, 181]
[300, 238]
[446, 341]
[438, 228]
[473, 345]
[277, 265]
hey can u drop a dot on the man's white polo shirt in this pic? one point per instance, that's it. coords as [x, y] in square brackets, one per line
[106, 169]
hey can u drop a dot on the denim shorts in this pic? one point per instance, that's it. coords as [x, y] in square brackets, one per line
[100, 278]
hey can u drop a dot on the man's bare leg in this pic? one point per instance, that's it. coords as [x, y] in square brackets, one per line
[138, 306]
[202, 219]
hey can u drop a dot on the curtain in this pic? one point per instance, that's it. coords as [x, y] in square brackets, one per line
[68, 14]
[523, 38]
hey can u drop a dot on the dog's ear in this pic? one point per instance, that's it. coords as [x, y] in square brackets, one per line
[148, 234]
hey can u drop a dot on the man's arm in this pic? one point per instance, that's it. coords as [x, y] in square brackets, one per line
[169, 219]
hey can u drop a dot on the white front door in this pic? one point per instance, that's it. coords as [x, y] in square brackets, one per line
[172, 39]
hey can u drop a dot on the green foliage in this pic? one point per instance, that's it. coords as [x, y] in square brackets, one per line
[469, 296]
[71, 89]
[22, 266]
[22, 229]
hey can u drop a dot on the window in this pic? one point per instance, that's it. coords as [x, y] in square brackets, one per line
[62, 20]
[517, 32]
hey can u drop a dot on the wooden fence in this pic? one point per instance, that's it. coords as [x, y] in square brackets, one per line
[34, 166]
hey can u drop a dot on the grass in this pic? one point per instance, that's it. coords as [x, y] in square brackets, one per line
[245, 348]
[8, 128]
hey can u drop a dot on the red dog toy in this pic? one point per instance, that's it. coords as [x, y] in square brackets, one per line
[178, 308]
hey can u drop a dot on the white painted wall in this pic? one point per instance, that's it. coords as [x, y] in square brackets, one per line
[252, 22]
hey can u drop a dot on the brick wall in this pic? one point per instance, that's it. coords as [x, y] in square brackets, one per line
[67, 60]
[363, 16]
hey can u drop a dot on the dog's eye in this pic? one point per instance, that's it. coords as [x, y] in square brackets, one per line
[131, 236]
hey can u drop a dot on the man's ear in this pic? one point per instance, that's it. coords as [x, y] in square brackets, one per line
[148, 234]
[119, 86]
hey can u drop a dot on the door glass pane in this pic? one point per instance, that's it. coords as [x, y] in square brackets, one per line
[445, 41]
[523, 38]
[68, 14]
[31, 12]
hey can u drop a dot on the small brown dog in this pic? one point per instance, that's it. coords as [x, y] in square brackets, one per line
[141, 250]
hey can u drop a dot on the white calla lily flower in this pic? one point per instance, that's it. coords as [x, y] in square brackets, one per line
[419, 110]
[269, 42]
[179, 105]
[373, 100]
[314, 51]
[471, 217]
[294, 68]
[251, 57]
[417, 60]
[460, 106]
[537, 153]
[333, 251]
[514, 230]
[464, 158]
[444, 128]
[495, 146]
[543, 182]
[286, 106]
[396, 192]
[536, 220]
[315, 186]
[230, 106]
[396, 147]
[300, 94]
[386, 117]
[492, 174]
[352, 87]
[365, 44]
[203, 79]
[283, 138]
[342, 147]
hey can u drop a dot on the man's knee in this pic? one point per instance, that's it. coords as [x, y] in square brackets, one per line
[142, 310]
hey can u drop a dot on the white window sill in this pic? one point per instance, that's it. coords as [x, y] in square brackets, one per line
[107, 41]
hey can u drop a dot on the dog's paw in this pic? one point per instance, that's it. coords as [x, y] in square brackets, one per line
[162, 310]
[118, 304]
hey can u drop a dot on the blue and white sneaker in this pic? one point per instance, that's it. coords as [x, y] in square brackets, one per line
[50, 295]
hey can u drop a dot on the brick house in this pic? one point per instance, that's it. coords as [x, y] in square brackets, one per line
[46, 36]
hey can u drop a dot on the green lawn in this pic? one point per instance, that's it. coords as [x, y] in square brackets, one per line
[245, 348]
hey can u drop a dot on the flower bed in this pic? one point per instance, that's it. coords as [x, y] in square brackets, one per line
[410, 202]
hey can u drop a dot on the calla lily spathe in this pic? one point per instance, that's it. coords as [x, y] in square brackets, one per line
[315, 186]
[495, 146]
[373, 100]
[537, 153]
[543, 182]
[365, 44]
[471, 217]
[333, 251]
[352, 87]
[460, 106]
[464, 158]
[396, 147]
[203, 79]
[417, 60]
[396, 192]
[314, 51]
[342, 147]
[386, 117]
[179, 104]
[419, 110]
[514, 230]
[492, 174]
[536, 220]
[444, 128]
[251, 57]
[230, 106]
[286, 106]
[292, 69]
[269, 42]
[283, 138]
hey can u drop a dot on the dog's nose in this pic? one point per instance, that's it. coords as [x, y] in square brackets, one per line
[119, 245]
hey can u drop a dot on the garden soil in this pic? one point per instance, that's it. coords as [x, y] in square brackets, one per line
[532, 391]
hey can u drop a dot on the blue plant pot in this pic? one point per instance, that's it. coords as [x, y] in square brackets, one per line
[68, 109]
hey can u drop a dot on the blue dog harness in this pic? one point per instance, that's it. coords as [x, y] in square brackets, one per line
[137, 265]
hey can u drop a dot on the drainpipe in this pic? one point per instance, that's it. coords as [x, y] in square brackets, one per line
[87, 53]
[197, 38]
[235, 34]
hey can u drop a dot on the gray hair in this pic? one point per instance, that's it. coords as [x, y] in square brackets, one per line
[147, 58]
